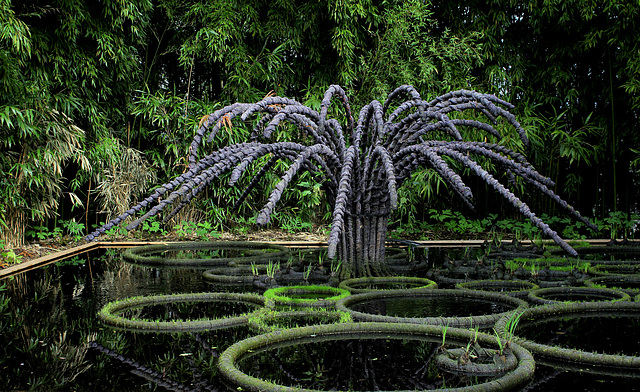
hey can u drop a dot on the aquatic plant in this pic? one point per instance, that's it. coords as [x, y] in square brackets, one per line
[375, 283]
[560, 354]
[272, 269]
[359, 163]
[350, 303]
[304, 296]
[549, 295]
[230, 370]
[114, 313]
[268, 319]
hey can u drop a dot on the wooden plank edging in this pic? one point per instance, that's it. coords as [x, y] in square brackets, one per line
[61, 255]
[19, 268]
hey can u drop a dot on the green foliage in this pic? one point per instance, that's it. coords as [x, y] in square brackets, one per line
[507, 334]
[410, 48]
[71, 228]
[185, 230]
[116, 232]
[587, 120]
[291, 223]
[122, 175]
[202, 230]
[7, 256]
[272, 268]
[154, 227]
[92, 91]
[74, 229]
[64, 77]
[553, 263]
[368, 48]
[620, 224]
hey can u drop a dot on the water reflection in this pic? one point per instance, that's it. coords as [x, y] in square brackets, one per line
[48, 319]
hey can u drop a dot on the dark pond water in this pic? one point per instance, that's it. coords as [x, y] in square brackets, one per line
[209, 253]
[430, 307]
[356, 364]
[578, 297]
[213, 253]
[187, 311]
[385, 286]
[48, 316]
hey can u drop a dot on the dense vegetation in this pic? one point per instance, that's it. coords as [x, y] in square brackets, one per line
[99, 100]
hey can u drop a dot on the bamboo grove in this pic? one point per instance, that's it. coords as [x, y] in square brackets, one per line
[101, 99]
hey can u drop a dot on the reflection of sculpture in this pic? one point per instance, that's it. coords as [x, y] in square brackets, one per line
[359, 163]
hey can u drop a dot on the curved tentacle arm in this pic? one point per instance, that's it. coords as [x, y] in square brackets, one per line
[342, 200]
[225, 119]
[509, 196]
[509, 159]
[198, 182]
[287, 113]
[265, 214]
[380, 193]
[255, 181]
[269, 104]
[337, 91]
[478, 125]
[258, 151]
[406, 106]
[309, 127]
[523, 169]
[486, 103]
[406, 89]
[262, 122]
[466, 95]
[218, 118]
[334, 130]
[401, 129]
[389, 170]
[370, 118]
[413, 156]
[168, 187]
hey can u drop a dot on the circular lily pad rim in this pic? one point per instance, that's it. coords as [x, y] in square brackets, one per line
[599, 269]
[109, 313]
[484, 283]
[258, 320]
[227, 361]
[537, 296]
[277, 296]
[145, 254]
[604, 279]
[481, 321]
[575, 357]
[452, 364]
[427, 284]
[224, 274]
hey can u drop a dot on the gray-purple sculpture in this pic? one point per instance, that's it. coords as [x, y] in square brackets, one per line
[361, 164]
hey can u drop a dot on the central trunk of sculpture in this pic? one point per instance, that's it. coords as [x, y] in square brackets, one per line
[362, 250]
